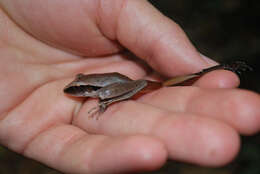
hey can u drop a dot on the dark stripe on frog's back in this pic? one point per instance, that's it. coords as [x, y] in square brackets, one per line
[118, 89]
[104, 79]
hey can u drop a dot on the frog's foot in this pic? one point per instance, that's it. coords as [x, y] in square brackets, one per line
[93, 111]
[98, 110]
[237, 67]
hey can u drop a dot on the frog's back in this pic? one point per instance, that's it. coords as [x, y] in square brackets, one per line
[104, 79]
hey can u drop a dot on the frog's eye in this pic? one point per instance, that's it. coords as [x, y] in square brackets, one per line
[80, 75]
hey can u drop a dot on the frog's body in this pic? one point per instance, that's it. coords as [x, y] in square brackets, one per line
[108, 87]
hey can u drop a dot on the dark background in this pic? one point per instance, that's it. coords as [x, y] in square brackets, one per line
[224, 30]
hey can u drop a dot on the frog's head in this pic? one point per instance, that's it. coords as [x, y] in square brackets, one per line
[79, 88]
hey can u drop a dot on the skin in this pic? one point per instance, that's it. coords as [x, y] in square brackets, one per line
[42, 49]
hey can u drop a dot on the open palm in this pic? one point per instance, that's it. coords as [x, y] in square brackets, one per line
[41, 50]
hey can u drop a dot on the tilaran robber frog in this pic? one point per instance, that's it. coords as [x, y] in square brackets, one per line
[113, 87]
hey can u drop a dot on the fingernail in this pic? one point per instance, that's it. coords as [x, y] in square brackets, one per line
[208, 60]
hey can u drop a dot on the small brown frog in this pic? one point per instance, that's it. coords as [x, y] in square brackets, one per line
[114, 87]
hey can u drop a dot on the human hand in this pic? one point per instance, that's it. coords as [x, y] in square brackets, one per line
[198, 124]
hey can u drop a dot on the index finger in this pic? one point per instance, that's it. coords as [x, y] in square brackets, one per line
[155, 38]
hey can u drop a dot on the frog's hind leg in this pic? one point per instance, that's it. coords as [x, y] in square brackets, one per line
[139, 86]
[237, 67]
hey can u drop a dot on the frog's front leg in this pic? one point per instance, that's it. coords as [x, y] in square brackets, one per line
[132, 88]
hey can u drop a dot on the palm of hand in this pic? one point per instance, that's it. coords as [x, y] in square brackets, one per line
[39, 121]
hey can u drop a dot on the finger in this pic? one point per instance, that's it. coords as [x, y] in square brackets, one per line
[154, 37]
[187, 137]
[238, 108]
[80, 35]
[71, 150]
[218, 79]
